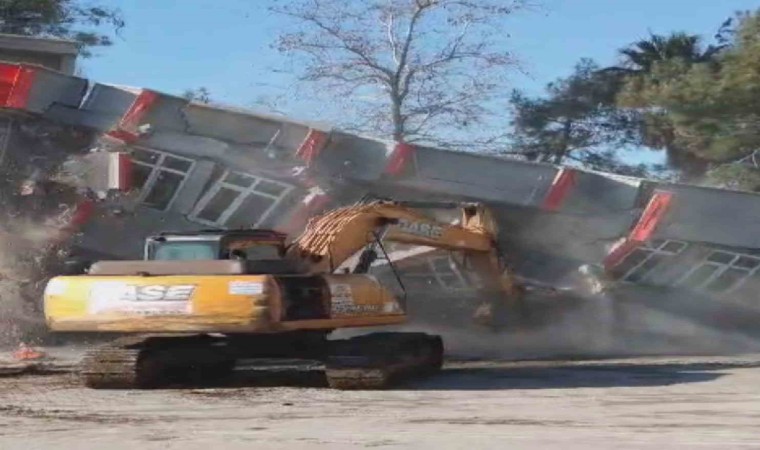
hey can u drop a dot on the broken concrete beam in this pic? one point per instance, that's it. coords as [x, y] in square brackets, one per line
[101, 109]
[35, 89]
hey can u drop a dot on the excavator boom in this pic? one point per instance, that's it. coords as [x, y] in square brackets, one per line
[329, 240]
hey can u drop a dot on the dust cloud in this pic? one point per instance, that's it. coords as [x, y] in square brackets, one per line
[592, 327]
[28, 257]
[576, 309]
[36, 209]
[583, 316]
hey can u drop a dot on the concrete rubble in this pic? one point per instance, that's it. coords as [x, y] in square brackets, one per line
[669, 252]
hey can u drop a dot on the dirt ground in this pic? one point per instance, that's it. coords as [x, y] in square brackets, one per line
[632, 403]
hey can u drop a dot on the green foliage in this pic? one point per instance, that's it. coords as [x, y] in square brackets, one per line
[705, 107]
[735, 176]
[669, 92]
[576, 122]
[642, 56]
[700, 104]
[650, 68]
[68, 19]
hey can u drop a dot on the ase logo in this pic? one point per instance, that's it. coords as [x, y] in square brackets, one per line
[153, 292]
[121, 292]
[420, 228]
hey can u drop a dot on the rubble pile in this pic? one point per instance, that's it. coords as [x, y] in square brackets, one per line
[37, 207]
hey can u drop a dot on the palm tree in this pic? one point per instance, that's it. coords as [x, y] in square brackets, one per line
[641, 56]
[639, 59]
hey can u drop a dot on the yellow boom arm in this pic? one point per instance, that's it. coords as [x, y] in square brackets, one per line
[332, 238]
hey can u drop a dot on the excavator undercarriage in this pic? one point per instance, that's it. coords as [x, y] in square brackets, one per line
[372, 361]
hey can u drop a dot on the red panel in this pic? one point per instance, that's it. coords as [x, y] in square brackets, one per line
[651, 217]
[125, 172]
[127, 128]
[561, 187]
[19, 96]
[400, 157]
[644, 229]
[122, 135]
[312, 145]
[8, 75]
[16, 83]
[137, 111]
[82, 214]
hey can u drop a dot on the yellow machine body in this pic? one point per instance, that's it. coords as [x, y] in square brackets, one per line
[216, 303]
[213, 293]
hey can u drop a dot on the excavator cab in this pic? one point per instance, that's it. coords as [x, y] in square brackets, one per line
[260, 251]
[249, 245]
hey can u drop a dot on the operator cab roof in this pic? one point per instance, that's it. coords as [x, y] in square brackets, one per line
[213, 234]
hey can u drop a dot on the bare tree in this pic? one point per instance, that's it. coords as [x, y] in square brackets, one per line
[412, 69]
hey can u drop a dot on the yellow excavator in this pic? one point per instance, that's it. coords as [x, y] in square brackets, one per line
[200, 301]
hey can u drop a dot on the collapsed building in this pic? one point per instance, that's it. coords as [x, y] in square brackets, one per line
[680, 251]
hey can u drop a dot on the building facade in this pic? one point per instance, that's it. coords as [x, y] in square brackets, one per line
[197, 165]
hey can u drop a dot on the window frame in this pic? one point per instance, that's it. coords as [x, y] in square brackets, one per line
[433, 273]
[242, 194]
[722, 268]
[155, 170]
[6, 128]
[652, 251]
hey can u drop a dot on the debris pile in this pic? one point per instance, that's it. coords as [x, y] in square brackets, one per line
[38, 210]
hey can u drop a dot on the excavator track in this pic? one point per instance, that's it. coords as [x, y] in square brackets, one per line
[381, 360]
[368, 362]
[153, 361]
[114, 365]
[114, 368]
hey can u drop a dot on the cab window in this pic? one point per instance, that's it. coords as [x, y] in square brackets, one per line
[256, 252]
[169, 251]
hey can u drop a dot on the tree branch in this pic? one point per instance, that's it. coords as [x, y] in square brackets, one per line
[421, 7]
[344, 42]
[391, 38]
[383, 60]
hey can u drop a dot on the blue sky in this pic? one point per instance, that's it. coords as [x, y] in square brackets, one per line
[172, 45]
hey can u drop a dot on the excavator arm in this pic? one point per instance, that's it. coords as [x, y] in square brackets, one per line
[329, 240]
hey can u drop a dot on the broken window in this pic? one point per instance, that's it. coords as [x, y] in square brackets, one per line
[159, 176]
[640, 262]
[721, 271]
[239, 200]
